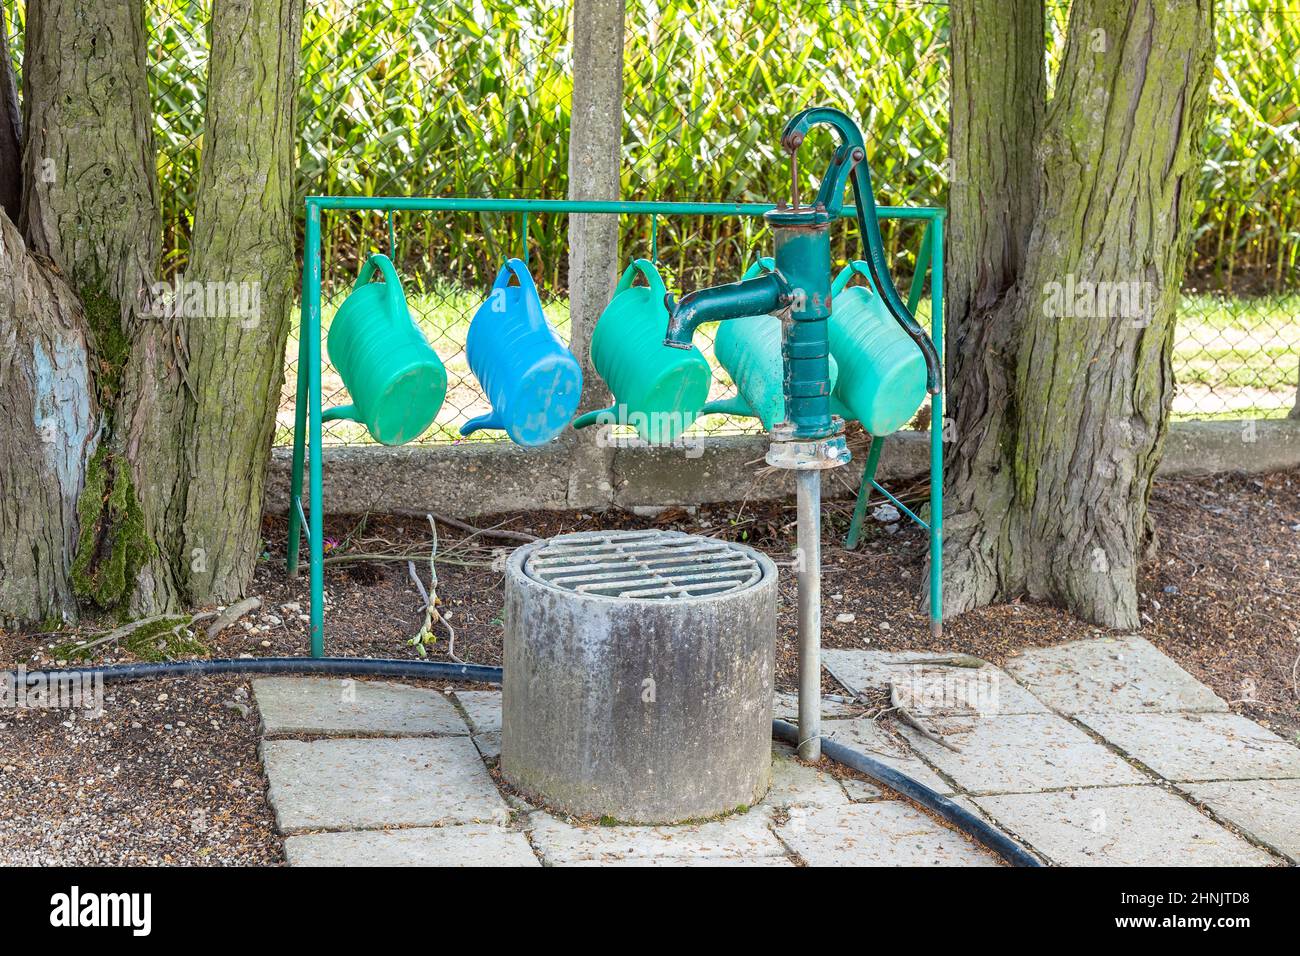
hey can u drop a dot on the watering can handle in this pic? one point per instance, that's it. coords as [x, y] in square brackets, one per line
[858, 266]
[765, 264]
[519, 270]
[385, 266]
[651, 274]
[735, 405]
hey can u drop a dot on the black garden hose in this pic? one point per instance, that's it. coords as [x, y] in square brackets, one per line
[981, 831]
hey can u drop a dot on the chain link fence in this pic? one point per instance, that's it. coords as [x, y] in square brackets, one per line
[471, 98]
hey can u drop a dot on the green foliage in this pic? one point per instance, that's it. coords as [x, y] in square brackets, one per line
[112, 544]
[471, 97]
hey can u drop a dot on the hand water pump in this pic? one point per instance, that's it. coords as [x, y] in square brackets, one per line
[798, 292]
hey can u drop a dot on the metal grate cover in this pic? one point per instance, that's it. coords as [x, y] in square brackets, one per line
[643, 565]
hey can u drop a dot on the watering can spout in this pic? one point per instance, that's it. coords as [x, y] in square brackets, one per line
[757, 296]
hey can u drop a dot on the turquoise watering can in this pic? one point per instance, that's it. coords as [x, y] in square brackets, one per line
[657, 389]
[750, 350]
[397, 382]
[882, 379]
[533, 382]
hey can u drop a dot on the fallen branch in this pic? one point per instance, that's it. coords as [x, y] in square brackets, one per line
[486, 532]
[906, 717]
[232, 614]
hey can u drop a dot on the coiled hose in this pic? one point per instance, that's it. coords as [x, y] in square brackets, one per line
[959, 817]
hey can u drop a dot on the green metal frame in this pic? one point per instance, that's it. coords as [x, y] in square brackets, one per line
[307, 404]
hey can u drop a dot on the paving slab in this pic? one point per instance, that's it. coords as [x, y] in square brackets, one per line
[1267, 811]
[1021, 753]
[1119, 826]
[470, 844]
[885, 833]
[796, 784]
[929, 685]
[379, 782]
[326, 706]
[786, 707]
[866, 736]
[743, 839]
[860, 791]
[1109, 675]
[483, 708]
[489, 745]
[1206, 746]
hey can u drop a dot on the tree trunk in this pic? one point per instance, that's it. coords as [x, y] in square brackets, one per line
[1051, 478]
[11, 130]
[90, 204]
[243, 245]
[48, 433]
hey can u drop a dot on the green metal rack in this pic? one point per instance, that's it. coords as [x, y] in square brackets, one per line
[307, 404]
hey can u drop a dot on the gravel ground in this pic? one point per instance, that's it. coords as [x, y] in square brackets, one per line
[1222, 598]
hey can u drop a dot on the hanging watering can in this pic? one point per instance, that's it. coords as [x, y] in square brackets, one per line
[397, 382]
[750, 350]
[533, 382]
[882, 372]
[657, 389]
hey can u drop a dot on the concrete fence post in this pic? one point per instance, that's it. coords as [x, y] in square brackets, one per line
[595, 161]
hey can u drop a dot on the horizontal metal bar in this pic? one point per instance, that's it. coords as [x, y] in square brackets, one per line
[898, 504]
[624, 207]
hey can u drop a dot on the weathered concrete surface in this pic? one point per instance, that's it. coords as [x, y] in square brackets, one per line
[482, 478]
[470, 844]
[744, 839]
[885, 833]
[1019, 753]
[865, 735]
[647, 711]
[1119, 826]
[378, 782]
[1105, 675]
[489, 744]
[1267, 811]
[325, 706]
[931, 687]
[785, 707]
[483, 708]
[796, 784]
[1190, 747]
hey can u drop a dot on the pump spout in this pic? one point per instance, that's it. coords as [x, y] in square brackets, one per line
[758, 296]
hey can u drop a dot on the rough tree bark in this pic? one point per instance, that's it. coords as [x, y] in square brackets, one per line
[48, 433]
[11, 130]
[243, 240]
[1061, 339]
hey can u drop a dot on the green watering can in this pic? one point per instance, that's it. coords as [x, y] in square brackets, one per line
[882, 372]
[397, 382]
[750, 350]
[657, 389]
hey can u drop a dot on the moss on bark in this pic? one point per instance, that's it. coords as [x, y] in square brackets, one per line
[112, 544]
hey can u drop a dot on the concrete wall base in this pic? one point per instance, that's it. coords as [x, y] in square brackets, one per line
[482, 478]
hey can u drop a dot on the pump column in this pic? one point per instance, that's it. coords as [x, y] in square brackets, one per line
[810, 439]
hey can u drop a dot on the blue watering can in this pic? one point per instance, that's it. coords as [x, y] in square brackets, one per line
[882, 372]
[532, 381]
[750, 350]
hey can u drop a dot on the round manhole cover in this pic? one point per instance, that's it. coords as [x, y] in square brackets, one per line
[643, 565]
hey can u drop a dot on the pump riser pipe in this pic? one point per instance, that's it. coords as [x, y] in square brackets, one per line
[809, 491]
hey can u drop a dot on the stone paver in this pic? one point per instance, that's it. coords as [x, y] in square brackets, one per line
[378, 782]
[1125, 675]
[1186, 747]
[745, 839]
[786, 707]
[885, 833]
[931, 687]
[865, 736]
[796, 784]
[1119, 826]
[483, 708]
[1267, 811]
[470, 844]
[325, 706]
[1021, 753]
[860, 791]
[489, 744]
